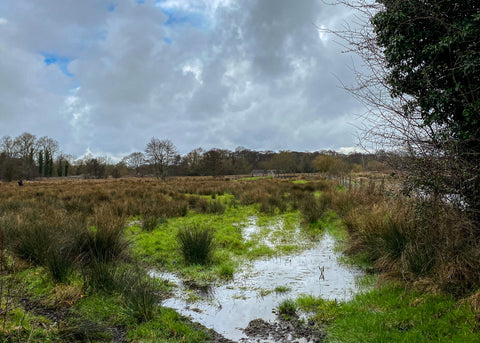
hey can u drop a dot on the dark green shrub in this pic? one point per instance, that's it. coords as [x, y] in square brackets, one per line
[196, 244]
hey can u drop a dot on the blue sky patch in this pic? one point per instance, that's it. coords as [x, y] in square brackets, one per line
[111, 7]
[167, 40]
[194, 19]
[61, 61]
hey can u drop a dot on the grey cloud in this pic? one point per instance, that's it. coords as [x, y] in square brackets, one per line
[258, 76]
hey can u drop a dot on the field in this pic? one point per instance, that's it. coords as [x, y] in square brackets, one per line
[75, 257]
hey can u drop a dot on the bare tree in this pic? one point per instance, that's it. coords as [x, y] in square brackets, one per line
[25, 145]
[45, 143]
[161, 155]
[135, 160]
[7, 146]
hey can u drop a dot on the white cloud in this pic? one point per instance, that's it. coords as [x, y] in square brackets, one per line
[257, 77]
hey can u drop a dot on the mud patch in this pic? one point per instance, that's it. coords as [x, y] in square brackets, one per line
[293, 331]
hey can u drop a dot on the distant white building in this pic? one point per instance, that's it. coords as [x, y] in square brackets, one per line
[272, 173]
[257, 173]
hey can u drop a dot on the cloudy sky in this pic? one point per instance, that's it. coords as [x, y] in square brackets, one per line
[107, 75]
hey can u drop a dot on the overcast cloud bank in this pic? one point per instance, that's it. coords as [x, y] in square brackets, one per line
[106, 76]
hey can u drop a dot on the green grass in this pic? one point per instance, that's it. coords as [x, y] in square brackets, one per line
[160, 248]
[253, 178]
[196, 244]
[300, 182]
[393, 314]
[168, 327]
[282, 289]
[287, 309]
[101, 308]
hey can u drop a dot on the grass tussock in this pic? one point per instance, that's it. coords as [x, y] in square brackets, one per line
[74, 232]
[413, 239]
[287, 309]
[104, 242]
[196, 244]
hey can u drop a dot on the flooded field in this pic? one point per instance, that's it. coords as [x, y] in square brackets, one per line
[258, 288]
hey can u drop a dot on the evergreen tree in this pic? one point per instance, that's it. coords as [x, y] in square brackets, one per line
[59, 167]
[46, 171]
[40, 163]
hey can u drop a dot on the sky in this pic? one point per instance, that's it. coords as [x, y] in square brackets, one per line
[105, 76]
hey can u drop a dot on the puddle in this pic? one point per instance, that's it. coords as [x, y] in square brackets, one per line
[263, 235]
[251, 294]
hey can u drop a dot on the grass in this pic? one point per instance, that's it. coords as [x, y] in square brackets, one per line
[393, 314]
[160, 247]
[72, 250]
[254, 178]
[287, 309]
[282, 289]
[168, 327]
[81, 249]
[196, 244]
[300, 182]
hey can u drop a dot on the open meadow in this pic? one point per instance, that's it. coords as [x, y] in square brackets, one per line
[77, 258]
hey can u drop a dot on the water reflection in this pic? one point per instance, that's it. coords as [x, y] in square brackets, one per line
[229, 308]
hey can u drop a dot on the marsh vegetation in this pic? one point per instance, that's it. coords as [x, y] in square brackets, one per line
[76, 256]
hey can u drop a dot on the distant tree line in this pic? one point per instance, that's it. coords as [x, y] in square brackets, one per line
[29, 157]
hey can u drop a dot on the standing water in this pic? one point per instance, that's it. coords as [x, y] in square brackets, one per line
[251, 294]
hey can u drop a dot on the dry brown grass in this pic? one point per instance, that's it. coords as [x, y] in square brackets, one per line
[412, 239]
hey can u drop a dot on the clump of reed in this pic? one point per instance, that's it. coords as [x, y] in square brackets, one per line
[213, 206]
[312, 208]
[414, 239]
[149, 222]
[139, 292]
[103, 241]
[287, 309]
[44, 237]
[196, 244]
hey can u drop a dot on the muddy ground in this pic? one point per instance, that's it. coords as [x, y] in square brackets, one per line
[281, 331]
